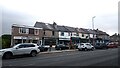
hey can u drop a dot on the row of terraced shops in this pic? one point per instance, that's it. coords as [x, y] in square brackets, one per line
[45, 33]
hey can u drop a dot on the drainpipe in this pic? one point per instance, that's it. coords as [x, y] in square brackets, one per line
[22, 39]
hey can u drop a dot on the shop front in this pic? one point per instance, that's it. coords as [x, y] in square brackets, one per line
[25, 39]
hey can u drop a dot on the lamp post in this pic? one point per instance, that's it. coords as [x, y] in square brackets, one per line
[93, 29]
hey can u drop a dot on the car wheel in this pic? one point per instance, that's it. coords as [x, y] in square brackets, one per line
[92, 49]
[61, 48]
[33, 53]
[85, 49]
[106, 47]
[79, 50]
[41, 50]
[7, 55]
[46, 49]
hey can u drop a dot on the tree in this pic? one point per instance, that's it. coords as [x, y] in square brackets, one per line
[5, 41]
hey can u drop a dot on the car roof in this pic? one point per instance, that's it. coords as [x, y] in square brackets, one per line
[85, 43]
[27, 43]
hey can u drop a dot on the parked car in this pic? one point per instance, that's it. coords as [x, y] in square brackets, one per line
[43, 48]
[112, 45]
[61, 47]
[101, 46]
[20, 49]
[85, 46]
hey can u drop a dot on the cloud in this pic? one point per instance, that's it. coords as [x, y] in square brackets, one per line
[76, 13]
[108, 23]
[12, 17]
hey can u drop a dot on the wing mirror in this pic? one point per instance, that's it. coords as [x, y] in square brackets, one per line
[17, 47]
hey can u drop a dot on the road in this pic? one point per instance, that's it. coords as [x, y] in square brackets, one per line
[107, 57]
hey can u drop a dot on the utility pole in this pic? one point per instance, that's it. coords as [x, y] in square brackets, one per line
[93, 29]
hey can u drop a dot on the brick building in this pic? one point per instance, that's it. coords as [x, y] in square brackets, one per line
[25, 34]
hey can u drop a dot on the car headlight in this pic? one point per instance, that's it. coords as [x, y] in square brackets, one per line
[1, 51]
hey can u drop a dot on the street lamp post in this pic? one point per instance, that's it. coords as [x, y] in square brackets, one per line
[93, 29]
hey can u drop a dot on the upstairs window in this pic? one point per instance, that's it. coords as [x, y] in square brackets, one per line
[96, 36]
[71, 34]
[44, 33]
[31, 31]
[23, 30]
[12, 30]
[36, 31]
[68, 34]
[77, 34]
[74, 34]
[53, 33]
[82, 35]
[62, 33]
[87, 37]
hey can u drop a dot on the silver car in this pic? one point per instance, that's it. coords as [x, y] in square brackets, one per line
[19, 49]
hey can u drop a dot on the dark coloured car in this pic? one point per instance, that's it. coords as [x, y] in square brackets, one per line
[61, 47]
[43, 48]
[100, 46]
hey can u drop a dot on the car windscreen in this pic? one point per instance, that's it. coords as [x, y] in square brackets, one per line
[81, 44]
[87, 44]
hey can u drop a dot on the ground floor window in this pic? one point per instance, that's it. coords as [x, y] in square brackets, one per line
[65, 42]
[17, 41]
[84, 40]
[35, 41]
[47, 42]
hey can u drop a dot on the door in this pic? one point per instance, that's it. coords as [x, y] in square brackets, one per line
[21, 49]
[88, 46]
[29, 48]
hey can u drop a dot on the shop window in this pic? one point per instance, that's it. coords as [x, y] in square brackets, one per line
[75, 35]
[35, 41]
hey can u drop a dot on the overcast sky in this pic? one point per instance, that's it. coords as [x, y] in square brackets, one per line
[75, 13]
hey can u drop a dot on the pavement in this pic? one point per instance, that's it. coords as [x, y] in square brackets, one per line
[57, 51]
